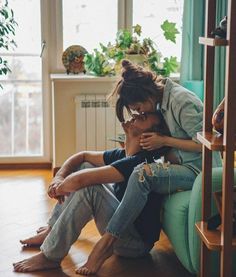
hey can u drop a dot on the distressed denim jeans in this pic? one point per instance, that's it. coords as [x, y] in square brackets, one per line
[163, 178]
[100, 203]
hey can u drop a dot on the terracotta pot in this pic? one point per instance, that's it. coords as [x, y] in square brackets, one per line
[218, 117]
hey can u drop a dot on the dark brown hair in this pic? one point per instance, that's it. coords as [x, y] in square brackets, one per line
[136, 85]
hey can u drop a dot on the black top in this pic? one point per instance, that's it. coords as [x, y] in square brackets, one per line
[148, 222]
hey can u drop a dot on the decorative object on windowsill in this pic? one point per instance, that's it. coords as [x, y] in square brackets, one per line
[218, 117]
[73, 59]
[7, 30]
[130, 46]
[221, 30]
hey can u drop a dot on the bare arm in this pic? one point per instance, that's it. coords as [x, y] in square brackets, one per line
[151, 141]
[71, 165]
[74, 162]
[184, 144]
[89, 177]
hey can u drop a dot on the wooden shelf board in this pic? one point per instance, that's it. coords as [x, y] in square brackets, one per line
[213, 141]
[213, 41]
[212, 239]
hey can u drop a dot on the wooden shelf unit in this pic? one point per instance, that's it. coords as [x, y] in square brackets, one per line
[221, 240]
[213, 41]
[212, 239]
[213, 140]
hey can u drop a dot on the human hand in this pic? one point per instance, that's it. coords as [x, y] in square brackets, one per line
[52, 189]
[60, 191]
[151, 140]
[57, 180]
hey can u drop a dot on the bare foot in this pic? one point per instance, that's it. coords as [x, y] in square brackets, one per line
[42, 228]
[37, 239]
[101, 251]
[35, 263]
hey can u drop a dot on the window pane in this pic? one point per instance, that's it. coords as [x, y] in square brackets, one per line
[21, 97]
[21, 120]
[151, 15]
[28, 31]
[86, 22]
[23, 68]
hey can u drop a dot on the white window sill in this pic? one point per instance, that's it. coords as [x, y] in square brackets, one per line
[91, 78]
[82, 77]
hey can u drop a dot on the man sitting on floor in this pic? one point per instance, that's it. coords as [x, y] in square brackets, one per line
[87, 199]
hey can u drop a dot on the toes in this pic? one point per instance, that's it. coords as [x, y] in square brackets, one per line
[24, 242]
[18, 263]
[83, 271]
[19, 267]
[41, 229]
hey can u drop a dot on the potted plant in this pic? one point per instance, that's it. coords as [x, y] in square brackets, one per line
[7, 31]
[130, 46]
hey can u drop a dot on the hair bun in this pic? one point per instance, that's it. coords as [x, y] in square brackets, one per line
[126, 64]
[135, 73]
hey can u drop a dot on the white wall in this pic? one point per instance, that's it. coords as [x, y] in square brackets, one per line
[64, 90]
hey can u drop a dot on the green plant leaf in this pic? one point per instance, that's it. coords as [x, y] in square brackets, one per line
[137, 29]
[170, 30]
[97, 64]
[170, 65]
[124, 39]
[7, 31]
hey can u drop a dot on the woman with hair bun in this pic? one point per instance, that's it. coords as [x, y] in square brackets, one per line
[141, 91]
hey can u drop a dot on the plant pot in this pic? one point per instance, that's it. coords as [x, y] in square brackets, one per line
[218, 117]
[138, 59]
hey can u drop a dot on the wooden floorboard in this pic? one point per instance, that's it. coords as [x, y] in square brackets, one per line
[24, 206]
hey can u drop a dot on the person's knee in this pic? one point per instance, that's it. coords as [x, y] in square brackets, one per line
[86, 165]
[91, 190]
[147, 169]
[142, 170]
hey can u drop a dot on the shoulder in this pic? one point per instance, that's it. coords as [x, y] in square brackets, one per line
[112, 155]
[181, 97]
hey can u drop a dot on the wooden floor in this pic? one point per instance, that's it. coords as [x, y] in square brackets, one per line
[24, 206]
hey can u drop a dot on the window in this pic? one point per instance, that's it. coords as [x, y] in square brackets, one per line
[26, 100]
[21, 98]
[151, 15]
[85, 22]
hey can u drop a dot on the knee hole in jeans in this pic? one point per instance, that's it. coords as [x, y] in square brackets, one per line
[148, 169]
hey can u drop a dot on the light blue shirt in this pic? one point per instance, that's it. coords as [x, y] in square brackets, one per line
[183, 113]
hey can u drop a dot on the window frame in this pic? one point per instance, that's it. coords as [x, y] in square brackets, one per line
[124, 20]
[46, 102]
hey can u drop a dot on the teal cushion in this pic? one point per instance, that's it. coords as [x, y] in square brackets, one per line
[195, 211]
[175, 225]
[196, 86]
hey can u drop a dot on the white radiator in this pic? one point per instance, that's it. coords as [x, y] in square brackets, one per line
[96, 123]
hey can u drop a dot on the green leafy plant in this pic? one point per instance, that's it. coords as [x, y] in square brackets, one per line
[129, 43]
[7, 32]
[170, 30]
[98, 64]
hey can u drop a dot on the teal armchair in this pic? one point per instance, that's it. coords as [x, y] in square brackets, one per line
[180, 212]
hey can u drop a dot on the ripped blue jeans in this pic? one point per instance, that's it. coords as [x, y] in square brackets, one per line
[157, 177]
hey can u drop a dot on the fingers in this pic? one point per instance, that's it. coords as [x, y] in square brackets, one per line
[148, 134]
[149, 148]
[52, 191]
[145, 143]
[60, 199]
